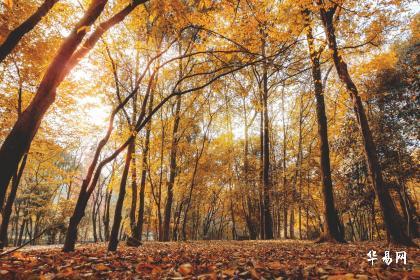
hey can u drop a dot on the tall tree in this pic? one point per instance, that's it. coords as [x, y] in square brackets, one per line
[268, 220]
[390, 214]
[331, 222]
[172, 170]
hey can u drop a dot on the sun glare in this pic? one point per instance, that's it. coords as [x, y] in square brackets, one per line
[94, 111]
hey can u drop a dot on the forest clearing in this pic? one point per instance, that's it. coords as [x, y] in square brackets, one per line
[209, 139]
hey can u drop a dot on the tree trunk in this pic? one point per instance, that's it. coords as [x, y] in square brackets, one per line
[105, 218]
[94, 231]
[331, 223]
[133, 188]
[284, 168]
[16, 35]
[140, 219]
[133, 172]
[172, 172]
[78, 214]
[21, 231]
[113, 241]
[268, 219]
[390, 214]
[261, 189]
[7, 210]
[67, 57]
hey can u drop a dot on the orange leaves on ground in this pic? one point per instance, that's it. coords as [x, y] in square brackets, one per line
[185, 269]
[210, 260]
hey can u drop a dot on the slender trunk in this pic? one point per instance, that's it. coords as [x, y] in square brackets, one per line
[78, 214]
[353, 233]
[285, 192]
[22, 229]
[133, 170]
[268, 219]
[297, 176]
[172, 172]
[300, 194]
[99, 220]
[197, 160]
[95, 236]
[105, 219]
[261, 189]
[17, 214]
[133, 189]
[113, 241]
[7, 211]
[390, 214]
[140, 219]
[177, 220]
[331, 229]
[232, 214]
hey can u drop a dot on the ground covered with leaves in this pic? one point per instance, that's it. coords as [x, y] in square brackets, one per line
[212, 260]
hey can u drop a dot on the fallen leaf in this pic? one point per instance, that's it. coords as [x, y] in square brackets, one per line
[186, 269]
[229, 272]
[276, 265]
[101, 267]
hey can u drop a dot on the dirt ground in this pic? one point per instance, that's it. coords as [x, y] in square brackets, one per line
[213, 260]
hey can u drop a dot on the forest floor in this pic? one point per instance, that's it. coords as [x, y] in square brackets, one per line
[212, 260]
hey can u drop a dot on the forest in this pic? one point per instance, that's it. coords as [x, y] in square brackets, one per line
[209, 139]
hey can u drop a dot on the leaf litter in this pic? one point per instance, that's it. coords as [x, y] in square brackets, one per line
[212, 260]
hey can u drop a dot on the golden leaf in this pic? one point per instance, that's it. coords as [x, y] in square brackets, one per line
[8, 3]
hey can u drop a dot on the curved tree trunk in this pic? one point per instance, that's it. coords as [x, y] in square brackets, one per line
[67, 57]
[390, 214]
[19, 139]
